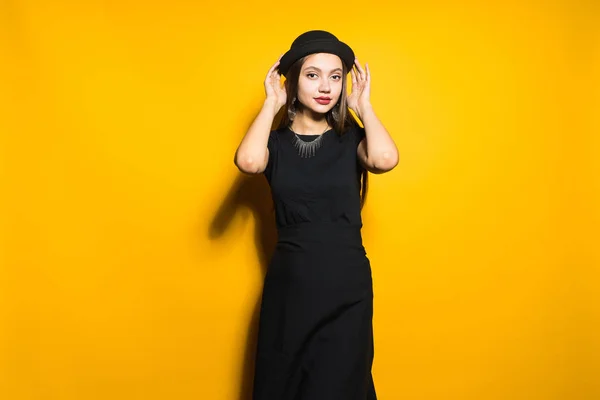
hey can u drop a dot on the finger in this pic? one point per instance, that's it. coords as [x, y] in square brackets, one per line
[276, 81]
[269, 78]
[359, 77]
[363, 72]
[274, 66]
[353, 74]
[368, 76]
[276, 75]
[269, 74]
[357, 73]
[359, 69]
[272, 82]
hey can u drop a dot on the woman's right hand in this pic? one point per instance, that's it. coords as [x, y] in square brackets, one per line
[273, 88]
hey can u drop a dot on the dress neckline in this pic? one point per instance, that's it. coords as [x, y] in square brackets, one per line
[311, 135]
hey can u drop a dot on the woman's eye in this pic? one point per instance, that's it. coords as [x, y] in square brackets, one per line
[312, 74]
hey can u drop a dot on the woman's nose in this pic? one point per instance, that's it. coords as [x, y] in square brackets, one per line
[324, 86]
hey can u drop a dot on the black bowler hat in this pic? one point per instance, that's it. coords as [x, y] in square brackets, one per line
[316, 42]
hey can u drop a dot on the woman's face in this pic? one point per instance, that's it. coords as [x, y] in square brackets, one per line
[320, 79]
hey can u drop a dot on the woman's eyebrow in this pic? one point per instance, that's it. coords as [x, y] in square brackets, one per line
[318, 69]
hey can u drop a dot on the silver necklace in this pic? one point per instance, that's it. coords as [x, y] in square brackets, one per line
[307, 149]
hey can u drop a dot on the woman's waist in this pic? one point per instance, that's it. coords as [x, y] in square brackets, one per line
[321, 232]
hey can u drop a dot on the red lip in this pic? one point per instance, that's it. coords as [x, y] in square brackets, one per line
[323, 100]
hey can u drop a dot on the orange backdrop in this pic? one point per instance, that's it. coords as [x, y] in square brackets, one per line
[134, 251]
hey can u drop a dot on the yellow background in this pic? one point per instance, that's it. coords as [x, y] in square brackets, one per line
[133, 250]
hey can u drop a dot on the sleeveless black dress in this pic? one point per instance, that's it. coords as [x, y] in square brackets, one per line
[315, 338]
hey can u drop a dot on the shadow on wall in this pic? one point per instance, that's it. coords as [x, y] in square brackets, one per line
[250, 192]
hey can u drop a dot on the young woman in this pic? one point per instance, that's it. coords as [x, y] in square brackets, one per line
[315, 337]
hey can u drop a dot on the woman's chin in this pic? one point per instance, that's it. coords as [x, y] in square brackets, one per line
[321, 110]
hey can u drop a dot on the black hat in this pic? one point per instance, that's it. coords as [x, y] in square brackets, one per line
[316, 42]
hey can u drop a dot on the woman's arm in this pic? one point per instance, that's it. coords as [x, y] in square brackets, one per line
[377, 151]
[252, 154]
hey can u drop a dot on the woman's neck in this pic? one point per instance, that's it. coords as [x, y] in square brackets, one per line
[309, 126]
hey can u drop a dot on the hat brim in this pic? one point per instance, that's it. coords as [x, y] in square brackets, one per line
[340, 49]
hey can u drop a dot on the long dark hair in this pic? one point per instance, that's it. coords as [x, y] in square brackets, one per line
[338, 117]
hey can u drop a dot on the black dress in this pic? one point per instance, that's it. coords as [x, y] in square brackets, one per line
[315, 339]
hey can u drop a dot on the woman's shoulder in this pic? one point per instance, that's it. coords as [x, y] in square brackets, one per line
[274, 136]
[354, 131]
[276, 131]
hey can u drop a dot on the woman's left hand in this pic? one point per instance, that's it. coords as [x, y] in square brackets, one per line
[361, 88]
